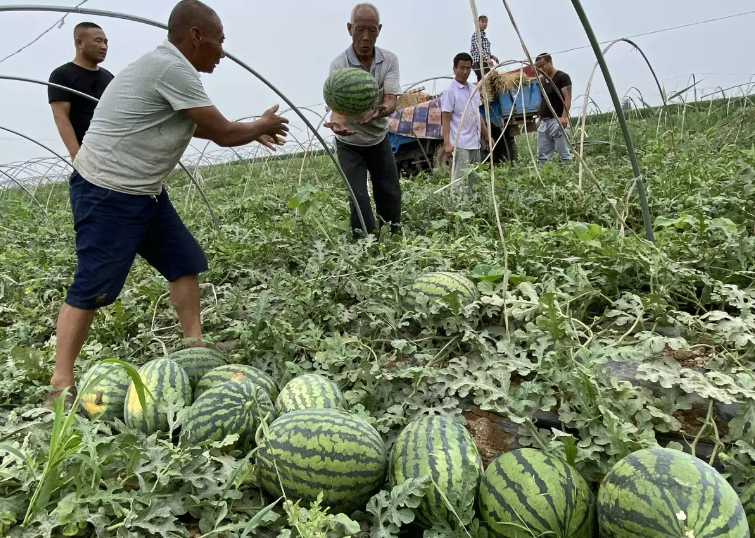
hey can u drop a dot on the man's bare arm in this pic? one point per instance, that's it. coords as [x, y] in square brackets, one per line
[61, 113]
[212, 125]
[445, 129]
[388, 107]
[566, 91]
[390, 102]
[338, 125]
[564, 119]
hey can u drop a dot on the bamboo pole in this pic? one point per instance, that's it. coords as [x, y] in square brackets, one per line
[622, 120]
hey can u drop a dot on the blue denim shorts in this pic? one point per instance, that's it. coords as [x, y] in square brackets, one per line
[112, 228]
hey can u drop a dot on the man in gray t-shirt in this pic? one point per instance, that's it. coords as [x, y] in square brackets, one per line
[362, 141]
[141, 127]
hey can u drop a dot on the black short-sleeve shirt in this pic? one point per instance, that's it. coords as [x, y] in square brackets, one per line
[555, 95]
[86, 81]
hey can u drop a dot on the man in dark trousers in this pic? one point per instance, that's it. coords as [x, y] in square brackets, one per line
[141, 127]
[482, 62]
[550, 135]
[72, 112]
[362, 141]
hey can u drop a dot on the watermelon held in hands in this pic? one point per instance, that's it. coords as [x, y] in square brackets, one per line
[442, 449]
[666, 493]
[324, 451]
[233, 407]
[527, 493]
[197, 361]
[168, 384]
[309, 391]
[438, 286]
[104, 399]
[350, 91]
[229, 372]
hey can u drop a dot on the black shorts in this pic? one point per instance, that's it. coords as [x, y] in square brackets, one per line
[112, 228]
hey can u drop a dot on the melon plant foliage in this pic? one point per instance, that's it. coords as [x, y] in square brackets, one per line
[619, 341]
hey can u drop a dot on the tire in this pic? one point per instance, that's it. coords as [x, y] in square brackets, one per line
[440, 159]
[505, 149]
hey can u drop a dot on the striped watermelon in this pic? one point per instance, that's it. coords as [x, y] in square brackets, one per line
[662, 493]
[748, 502]
[104, 400]
[438, 285]
[237, 406]
[438, 447]
[221, 374]
[527, 493]
[322, 450]
[350, 91]
[197, 361]
[167, 382]
[308, 391]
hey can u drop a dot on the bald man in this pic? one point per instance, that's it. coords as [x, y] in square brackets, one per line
[73, 113]
[362, 141]
[140, 129]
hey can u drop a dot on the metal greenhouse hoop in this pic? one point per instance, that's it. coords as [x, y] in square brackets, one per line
[239, 62]
[80, 94]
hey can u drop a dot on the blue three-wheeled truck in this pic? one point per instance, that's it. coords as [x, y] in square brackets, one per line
[417, 141]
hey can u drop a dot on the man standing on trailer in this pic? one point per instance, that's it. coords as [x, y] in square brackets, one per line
[362, 141]
[140, 129]
[73, 113]
[481, 62]
[465, 137]
[557, 86]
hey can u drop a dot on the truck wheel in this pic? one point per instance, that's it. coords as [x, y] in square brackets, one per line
[440, 159]
[510, 147]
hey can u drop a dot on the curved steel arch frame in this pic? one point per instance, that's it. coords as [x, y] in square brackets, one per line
[240, 63]
[76, 92]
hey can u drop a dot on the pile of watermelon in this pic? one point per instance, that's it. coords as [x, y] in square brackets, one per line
[308, 443]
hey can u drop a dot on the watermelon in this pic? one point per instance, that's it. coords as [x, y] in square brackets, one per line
[197, 361]
[527, 493]
[438, 285]
[238, 406]
[308, 391]
[748, 503]
[350, 91]
[326, 451]
[167, 382]
[104, 400]
[438, 447]
[221, 374]
[661, 493]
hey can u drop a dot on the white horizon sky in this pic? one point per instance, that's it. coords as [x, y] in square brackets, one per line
[292, 42]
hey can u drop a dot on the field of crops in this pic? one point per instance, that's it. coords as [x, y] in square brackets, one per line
[595, 344]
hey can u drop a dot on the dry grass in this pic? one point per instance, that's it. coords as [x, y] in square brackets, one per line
[412, 98]
[497, 83]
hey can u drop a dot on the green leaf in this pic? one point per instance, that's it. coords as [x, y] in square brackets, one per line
[266, 515]
[392, 510]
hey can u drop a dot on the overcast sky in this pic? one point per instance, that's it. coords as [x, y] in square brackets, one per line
[292, 43]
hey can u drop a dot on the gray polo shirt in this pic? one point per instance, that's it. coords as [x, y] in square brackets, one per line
[139, 130]
[385, 71]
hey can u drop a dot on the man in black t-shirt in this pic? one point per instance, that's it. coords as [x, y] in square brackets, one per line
[550, 132]
[72, 112]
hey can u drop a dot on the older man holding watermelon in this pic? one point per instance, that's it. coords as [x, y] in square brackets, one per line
[362, 140]
[141, 127]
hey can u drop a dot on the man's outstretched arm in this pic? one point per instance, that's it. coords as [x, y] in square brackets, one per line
[269, 130]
